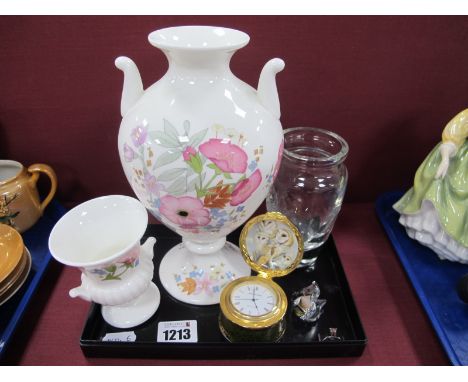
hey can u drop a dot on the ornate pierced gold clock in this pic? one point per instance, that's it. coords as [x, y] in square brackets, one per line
[253, 307]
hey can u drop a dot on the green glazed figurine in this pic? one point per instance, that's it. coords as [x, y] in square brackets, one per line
[435, 210]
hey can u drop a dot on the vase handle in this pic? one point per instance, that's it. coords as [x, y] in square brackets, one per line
[147, 247]
[80, 292]
[266, 90]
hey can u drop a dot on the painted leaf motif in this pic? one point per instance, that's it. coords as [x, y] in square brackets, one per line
[200, 191]
[218, 197]
[196, 164]
[171, 174]
[178, 187]
[197, 138]
[170, 130]
[12, 216]
[111, 276]
[188, 285]
[6, 219]
[190, 171]
[111, 268]
[191, 186]
[187, 127]
[216, 169]
[167, 157]
[163, 139]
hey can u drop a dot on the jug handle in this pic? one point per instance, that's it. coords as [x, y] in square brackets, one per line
[35, 170]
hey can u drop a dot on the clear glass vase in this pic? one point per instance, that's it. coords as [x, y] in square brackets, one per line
[311, 182]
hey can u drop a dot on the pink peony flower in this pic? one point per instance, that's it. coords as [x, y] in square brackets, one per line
[278, 161]
[129, 154]
[188, 153]
[151, 185]
[185, 211]
[228, 157]
[245, 188]
[139, 135]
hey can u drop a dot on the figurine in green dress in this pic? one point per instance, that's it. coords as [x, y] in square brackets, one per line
[435, 210]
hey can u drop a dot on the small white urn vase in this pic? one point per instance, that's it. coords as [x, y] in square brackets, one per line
[200, 148]
[101, 237]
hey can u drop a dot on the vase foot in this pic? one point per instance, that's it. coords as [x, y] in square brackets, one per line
[198, 279]
[135, 312]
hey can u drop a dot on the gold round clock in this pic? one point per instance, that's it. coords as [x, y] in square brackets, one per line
[253, 307]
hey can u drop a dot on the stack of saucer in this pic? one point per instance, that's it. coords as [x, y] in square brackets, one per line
[15, 262]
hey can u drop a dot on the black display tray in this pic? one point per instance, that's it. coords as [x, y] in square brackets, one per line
[300, 340]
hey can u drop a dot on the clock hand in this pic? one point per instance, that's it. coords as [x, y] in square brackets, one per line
[253, 300]
[256, 307]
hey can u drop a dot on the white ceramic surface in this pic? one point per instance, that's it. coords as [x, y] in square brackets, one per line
[425, 227]
[9, 169]
[119, 291]
[98, 232]
[102, 238]
[198, 279]
[135, 312]
[200, 148]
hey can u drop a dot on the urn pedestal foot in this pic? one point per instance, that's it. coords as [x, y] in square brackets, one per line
[198, 279]
[134, 312]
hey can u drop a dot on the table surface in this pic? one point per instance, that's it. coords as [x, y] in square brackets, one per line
[398, 331]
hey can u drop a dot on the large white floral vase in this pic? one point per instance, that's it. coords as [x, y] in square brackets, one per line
[200, 149]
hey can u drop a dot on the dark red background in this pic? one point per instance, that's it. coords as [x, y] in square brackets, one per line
[388, 85]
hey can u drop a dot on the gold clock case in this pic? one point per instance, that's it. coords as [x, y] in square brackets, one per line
[253, 322]
[270, 256]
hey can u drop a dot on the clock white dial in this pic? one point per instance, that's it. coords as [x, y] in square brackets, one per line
[253, 299]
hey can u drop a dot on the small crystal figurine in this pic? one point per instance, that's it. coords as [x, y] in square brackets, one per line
[332, 337]
[306, 303]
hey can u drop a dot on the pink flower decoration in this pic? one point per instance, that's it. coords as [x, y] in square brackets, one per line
[151, 185]
[129, 154]
[204, 285]
[187, 212]
[245, 188]
[139, 135]
[188, 153]
[131, 256]
[278, 161]
[228, 157]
